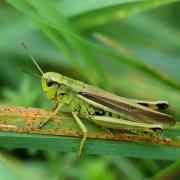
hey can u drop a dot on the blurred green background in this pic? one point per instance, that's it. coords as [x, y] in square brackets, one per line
[128, 47]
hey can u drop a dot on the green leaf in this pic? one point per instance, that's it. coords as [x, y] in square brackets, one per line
[101, 16]
[62, 134]
[72, 8]
[93, 146]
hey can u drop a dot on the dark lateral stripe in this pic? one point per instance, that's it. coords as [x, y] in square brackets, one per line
[158, 105]
[143, 104]
[162, 105]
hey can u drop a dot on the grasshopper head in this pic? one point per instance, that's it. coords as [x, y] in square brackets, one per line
[55, 86]
[50, 83]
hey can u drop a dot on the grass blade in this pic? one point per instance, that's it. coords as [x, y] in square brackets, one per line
[19, 128]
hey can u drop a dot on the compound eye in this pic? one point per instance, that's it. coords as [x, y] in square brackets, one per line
[49, 82]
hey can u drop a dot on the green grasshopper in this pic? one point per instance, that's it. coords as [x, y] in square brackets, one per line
[101, 107]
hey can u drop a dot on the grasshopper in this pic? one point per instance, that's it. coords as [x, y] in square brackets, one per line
[101, 107]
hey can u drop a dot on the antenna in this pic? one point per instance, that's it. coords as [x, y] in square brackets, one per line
[28, 72]
[32, 58]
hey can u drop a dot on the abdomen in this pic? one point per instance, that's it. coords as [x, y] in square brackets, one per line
[85, 110]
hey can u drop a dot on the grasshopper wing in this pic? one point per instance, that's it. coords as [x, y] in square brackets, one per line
[151, 104]
[125, 107]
